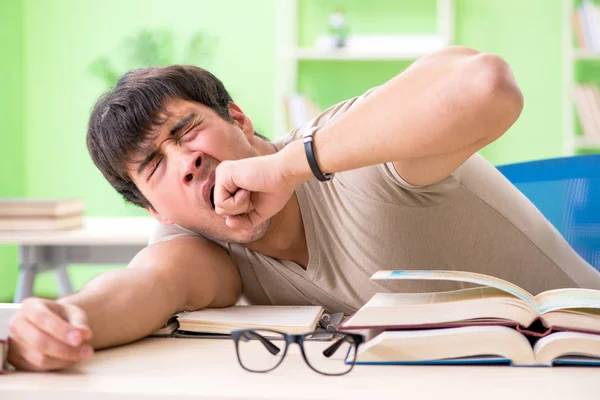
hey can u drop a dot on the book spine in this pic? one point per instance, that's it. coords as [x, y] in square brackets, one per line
[582, 111]
[584, 28]
[591, 23]
[593, 109]
[595, 99]
[578, 28]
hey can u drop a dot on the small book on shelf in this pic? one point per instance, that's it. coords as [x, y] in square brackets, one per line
[497, 322]
[15, 224]
[219, 322]
[31, 207]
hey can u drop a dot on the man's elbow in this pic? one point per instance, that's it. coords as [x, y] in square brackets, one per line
[500, 97]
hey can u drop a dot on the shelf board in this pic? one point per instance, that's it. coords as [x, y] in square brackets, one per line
[582, 142]
[344, 54]
[583, 54]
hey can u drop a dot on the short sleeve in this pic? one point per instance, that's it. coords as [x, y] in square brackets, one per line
[383, 183]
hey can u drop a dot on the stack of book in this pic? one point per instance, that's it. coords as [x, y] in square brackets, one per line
[498, 322]
[587, 105]
[586, 23]
[26, 214]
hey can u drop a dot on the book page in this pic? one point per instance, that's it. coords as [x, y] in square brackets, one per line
[559, 299]
[460, 276]
[454, 296]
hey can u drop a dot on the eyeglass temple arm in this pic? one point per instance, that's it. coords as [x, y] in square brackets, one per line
[328, 352]
[273, 349]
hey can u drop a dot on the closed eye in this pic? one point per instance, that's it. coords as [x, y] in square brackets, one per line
[155, 168]
[186, 134]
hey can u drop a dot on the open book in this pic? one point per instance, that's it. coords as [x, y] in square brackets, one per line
[221, 321]
[498, 319]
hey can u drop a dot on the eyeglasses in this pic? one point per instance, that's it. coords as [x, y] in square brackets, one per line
[262, 350]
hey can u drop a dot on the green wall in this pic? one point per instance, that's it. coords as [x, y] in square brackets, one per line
[45, 103]
[62, 37]
[12, 166]
[528, 34]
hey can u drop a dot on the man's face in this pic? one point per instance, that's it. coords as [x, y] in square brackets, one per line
[177, 174]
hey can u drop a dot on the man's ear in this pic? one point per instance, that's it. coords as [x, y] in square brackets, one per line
[159, 217]
[241, 120]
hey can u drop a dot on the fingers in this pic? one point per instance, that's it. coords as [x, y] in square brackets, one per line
[78, 319]
[238, 203]
[40, 345]
[23, 357]
[45, 335]
[51, 321]
[225, 188]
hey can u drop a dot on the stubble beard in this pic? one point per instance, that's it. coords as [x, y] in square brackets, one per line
[247, 237]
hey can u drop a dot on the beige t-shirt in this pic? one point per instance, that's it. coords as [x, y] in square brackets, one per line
[369, 219]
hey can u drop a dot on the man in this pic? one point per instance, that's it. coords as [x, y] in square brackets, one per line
[237, 212]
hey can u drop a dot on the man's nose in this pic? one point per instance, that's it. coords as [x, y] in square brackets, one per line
[190, 167]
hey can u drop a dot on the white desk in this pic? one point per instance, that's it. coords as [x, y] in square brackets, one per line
[102, 240]
[207, 369]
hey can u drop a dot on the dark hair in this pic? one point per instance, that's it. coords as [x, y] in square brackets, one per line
[122, 121]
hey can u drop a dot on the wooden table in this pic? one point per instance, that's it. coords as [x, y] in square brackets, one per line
[207, 369]
[102, 240]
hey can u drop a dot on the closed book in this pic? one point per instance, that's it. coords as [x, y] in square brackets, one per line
[30, 207]
[3, 354]
[479, 345]
[7, 310]
[15, 224]
[221, 321]
[497, 319]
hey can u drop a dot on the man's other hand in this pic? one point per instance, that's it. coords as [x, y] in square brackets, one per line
[251, 190]
[46, 335]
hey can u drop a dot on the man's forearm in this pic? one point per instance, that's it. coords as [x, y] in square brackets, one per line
[124, 305]
[436, 106]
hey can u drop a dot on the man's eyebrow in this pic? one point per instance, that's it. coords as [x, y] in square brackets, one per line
[181, 124]
[172, 132]
[147, 160]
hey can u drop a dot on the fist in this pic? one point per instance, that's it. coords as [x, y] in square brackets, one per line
[46, 335]
[251, 190]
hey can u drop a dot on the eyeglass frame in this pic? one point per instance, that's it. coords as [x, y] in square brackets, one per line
[357, 340]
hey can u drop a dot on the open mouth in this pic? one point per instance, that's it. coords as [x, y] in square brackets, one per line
[212, 197]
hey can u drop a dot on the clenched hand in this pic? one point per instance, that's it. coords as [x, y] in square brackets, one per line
[252, 190]
[46, 335]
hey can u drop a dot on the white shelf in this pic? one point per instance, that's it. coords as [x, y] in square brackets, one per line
[288, 55]
[583, 54]
[582, 142]
[345, 54]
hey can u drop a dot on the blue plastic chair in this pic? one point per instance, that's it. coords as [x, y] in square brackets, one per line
[567, 191]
